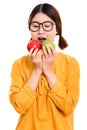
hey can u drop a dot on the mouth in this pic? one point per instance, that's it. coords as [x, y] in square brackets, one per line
[41, 39]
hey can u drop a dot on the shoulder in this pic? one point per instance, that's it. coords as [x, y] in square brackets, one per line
[67, 59]
[72, 62]
[21, 60]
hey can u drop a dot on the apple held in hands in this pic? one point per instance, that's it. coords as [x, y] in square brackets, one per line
[33, 44]
[48, 42]
[36, 44]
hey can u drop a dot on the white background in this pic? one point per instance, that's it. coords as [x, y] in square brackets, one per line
[14, 36]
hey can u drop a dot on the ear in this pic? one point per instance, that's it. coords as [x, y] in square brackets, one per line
[57, 32]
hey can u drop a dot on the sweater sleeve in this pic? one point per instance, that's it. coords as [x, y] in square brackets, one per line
[20, 94]
[65, 96]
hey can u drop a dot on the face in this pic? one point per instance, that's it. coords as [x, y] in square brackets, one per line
[42, 34]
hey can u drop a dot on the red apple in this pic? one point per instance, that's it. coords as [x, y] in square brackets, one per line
[34, 44]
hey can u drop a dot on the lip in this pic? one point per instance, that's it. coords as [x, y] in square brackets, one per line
[41, 39]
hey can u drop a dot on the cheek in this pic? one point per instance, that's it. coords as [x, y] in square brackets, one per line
[52, 35]
[33, 35]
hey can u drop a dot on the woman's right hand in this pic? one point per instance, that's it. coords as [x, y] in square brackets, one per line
[36, 58]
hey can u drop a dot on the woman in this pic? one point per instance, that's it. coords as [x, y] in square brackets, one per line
[45, 83]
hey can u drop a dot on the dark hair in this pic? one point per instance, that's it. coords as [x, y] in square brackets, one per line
[51, 12]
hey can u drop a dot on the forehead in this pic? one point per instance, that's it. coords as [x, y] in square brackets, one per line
[40, 17]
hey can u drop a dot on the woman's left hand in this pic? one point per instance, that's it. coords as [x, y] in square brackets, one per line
[49, 55]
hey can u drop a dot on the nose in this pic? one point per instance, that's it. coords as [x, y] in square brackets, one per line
[41, 28]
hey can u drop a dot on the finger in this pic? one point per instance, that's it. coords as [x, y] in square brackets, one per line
[49, 50]
[45, 50]
[35, 52]
[31, 50]
[40, 52]
[52, 49]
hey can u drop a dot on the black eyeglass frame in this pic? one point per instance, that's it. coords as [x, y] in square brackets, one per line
[39, 24]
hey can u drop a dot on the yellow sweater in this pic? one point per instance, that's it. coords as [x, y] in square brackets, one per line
[45, 109]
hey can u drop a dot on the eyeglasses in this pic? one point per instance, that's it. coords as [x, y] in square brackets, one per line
[46, 25]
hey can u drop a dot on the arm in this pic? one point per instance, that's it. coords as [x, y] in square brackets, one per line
[24, 82]
[65, 96]
[34, 78]
[21, 95]
[36, 58]
[64, 83]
